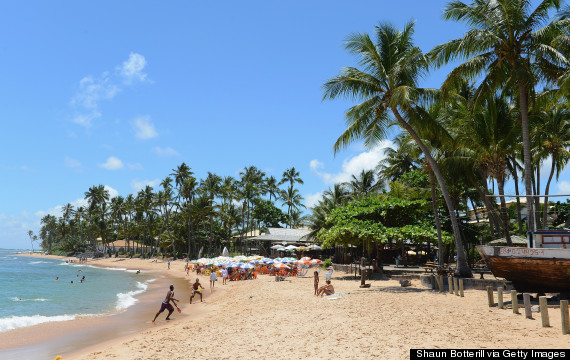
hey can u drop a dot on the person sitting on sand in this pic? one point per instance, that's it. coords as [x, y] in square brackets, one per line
[166, 304]
[328, 289]
[196, 289]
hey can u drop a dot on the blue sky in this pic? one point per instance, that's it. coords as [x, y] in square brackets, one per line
[120, 93]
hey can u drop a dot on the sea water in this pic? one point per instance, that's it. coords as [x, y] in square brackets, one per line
[30, 295]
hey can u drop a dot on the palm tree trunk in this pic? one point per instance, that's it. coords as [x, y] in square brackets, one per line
[523, 95]
[547, 190]
[513, 170]
[436, 217]
[537, 199]
[462, 268]
[504, 212]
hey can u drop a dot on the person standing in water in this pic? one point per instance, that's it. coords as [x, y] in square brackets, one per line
[166, 304]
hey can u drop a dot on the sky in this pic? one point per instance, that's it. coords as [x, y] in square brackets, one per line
[120, 93]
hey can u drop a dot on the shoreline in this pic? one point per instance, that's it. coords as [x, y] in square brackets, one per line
[267, 319]
[67, 338]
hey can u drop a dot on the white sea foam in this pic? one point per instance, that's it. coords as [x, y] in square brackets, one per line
[25, 300]
[126, 300]
[14, 322]
[39, 262]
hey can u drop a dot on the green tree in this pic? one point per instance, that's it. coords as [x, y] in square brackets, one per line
[388, 86]
[508, 44]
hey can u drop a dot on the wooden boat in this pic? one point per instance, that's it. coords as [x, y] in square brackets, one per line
[542, 268]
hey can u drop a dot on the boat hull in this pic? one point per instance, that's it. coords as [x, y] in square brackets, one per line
[530, 270]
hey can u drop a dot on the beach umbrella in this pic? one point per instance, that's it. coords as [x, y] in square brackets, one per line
[233, 265]
[316, 261]
[276, 246]
[247, 266]
[281, 266]
[291, 247]
[315, 247]
[306, 258]
[268, 261]
[303, 248]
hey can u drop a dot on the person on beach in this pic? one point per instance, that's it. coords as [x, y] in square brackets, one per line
[224, 276]
[328, 289]
[196, 289]
[316, 276]
[166, 304]
[213, 279]
[168, 264]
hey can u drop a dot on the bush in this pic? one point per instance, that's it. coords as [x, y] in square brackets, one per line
[327, 263]
[137, 256]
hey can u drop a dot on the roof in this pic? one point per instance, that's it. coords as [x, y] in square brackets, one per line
[282, 234]
[517, 240]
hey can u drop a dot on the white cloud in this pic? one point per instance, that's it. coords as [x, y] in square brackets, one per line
[564, 187]
[144, 128]
[313, 199]
[135, 166]
[366, 160]
[112, 163]
[93, 90]
[167, 151]
[138, 185]
[71, 162]
[132, 69]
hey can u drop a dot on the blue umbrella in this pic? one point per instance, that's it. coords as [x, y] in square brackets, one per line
[268, 261]
[234, 265]
[247, 266]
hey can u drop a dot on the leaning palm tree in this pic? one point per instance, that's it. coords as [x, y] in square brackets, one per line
[387, 85]
[509, 45]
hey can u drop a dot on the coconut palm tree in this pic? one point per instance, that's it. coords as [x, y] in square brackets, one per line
[293, 200]
[363, 185]
[554, 126]
[291, 176]
[400, 159]
[392, 67]
[509, 44]
[271, 187]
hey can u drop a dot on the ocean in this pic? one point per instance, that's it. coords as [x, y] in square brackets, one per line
[30, 295]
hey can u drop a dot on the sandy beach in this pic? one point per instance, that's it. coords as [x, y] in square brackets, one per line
[267, 319]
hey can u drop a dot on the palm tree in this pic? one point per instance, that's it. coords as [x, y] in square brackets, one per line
[292, 199]
[31, 235]
[491, 134]
[398, 160]
[291, 176]
[271, 187]
[510, 45]
[363, 185]
[554, 126]
[388, 85]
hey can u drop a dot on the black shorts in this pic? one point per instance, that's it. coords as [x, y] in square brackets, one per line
[166, 306]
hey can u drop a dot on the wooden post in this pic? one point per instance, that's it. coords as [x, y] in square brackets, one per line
[544, 311]
[450, 282]
[455, 286]
[461, 287]
[441, 281]
[527, 311]
[490, 296]
[515, 301]
[362, 277]
[564, 316]
[500, 297]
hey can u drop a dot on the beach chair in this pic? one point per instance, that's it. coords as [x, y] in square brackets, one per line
[255, 274]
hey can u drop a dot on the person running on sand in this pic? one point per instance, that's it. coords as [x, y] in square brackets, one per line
[166, 304]
[328, 289]
[196, 289]
[316, 276]
[213, 279]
